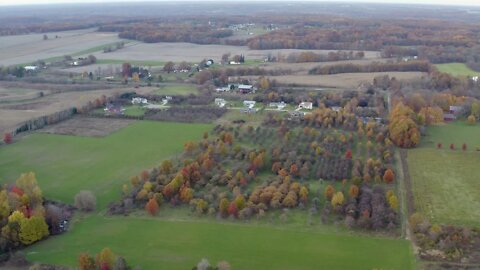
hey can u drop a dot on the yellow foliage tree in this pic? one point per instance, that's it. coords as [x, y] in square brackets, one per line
[32, 230]
[106, 257]
[337, 199]
[471, 119]
[393, 202]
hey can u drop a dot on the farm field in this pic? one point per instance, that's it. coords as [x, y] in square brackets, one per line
[23, 49]
[97, 164]
[457, 69]
[190, 52]
[14, 114]
[8, 95]
[445, 182]
[177, 89]
[166, 244]
[344, 80]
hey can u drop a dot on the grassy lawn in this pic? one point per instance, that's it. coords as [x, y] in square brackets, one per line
[155, 243]
[66, 164]
[134, 110]
[445, 182]
[179, 89]
[457, 69]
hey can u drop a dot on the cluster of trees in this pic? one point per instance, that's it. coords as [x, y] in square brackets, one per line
[220, 76]
[437, 54]
[23, 217]
[197, 114]
[116, 47]
[104, 260]
[309, 56]
[403, 128]
[363, 207]
[152, 32]
[449, 242]
[421, 66]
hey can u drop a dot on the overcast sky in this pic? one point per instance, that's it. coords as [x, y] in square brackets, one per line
[442, 2]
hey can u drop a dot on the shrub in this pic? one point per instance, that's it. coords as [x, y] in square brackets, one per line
[85, 201]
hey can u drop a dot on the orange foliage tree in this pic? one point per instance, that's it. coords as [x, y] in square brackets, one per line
[152, 206]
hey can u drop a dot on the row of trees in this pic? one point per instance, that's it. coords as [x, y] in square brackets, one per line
[309, 56]
[420, 66]
[104, 260]
[152, 33]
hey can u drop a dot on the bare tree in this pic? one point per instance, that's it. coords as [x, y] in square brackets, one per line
[85, 200]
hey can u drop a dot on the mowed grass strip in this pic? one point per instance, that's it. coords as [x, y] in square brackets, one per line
[159, 244]
[67, 164]
[457, 69]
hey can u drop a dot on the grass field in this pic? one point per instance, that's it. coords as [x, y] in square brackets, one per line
[178, 89]
[162, 244]
[66, 164]
[133, 62]
[457, 133]
[457, 69]
[445, 182]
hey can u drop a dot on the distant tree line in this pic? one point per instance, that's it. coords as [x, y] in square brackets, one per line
[420, 66]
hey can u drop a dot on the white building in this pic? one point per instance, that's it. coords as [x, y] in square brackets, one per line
[279, 105]
[220, 102]
[138, 100]
[249, 103]
[223, 89]
[306, 105]
[31, 68]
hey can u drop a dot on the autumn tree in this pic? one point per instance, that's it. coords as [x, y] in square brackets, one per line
[232, 209]
[403, 129]
[169, 67]
[393, 202]
[32, 229]
[471, 119]
[337, 199]
[152, 206]
[353, 191]
[8, 138]
[303, 194]
[105, 259]
[329, 191]
[388, 176]
[223, 206]
[86, 262]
